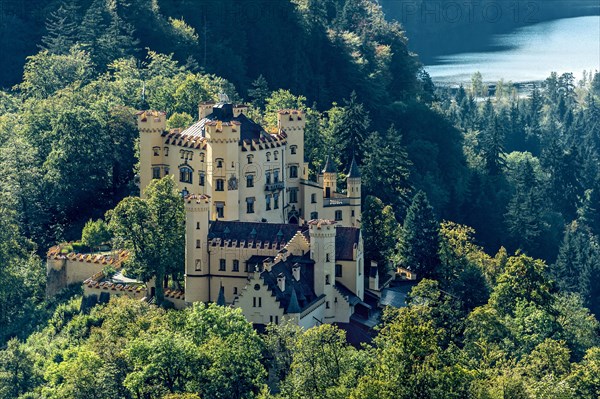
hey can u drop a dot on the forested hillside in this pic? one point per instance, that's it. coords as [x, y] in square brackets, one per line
[469, 190]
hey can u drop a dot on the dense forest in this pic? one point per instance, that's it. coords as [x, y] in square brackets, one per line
[493, 199]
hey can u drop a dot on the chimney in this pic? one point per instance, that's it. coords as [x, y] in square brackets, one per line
[267, 263]
[296, 271]
[281, 281]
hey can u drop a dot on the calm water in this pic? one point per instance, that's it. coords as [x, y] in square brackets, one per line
[528, 54]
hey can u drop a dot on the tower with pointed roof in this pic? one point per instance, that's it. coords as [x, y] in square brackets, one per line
[353, 185]
[329, 174]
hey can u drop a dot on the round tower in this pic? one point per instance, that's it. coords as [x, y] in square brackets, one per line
[197, 208]
[322, 252]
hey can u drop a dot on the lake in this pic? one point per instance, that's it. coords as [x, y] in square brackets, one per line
[527, 53]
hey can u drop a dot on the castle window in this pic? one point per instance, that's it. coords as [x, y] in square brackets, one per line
[156, 151]
[219, 162]
[201, 157]
[250, 205]
[257, 302]
[185, 174]
[275, 155]
[197, 243]
[181, 153]
[166, 170]
[276, 176]
[313, 198]
[166, 151]
[268, 177]
[327, 279]
[198, 265]
[314, 215]
[293, 149]
[201, 178]
[220, 206]
[327, 305]
[275, 201]
[268, 157]
[268, 200]
[236, 266]
[235, 291]
[338, 215]
[156, 173]
[250, 158]
[338, 270]
[327, 258]
[220, 185]
[293, 195]
[197, 225]
[249, 180]
[293, 171]
[352, 212]
[222, 264]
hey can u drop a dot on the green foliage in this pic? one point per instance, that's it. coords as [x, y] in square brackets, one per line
[419, 240]
[95, 233]
[179, 121]
[380, 233]
[153, 230]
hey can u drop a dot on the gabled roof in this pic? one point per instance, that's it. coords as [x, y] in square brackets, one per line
[275, 233]
[302, 290]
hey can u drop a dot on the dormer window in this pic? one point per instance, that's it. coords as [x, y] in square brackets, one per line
[293, 149]
[185, 174]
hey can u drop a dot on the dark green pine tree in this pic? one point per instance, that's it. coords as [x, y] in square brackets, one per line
[589, 212]
[525, 218]
[419, 240]
[380, 232]
[567, 268]
[351, 130]
[386, 170]
[493, 148]
[589, 280]
[259, 92]
[61, 28]
[566, 182]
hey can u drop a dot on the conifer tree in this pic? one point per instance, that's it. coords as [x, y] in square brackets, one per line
[419, 240]
[493, 148]
[61, 29]
[259, 92]
[589, 212]
[386, 169]
[380, 232]
[351, 130]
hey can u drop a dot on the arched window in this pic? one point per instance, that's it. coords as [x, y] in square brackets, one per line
[293, 149]
[219, 162]
[268, 157]
[185, 174]
[250, 158]
[275, 155]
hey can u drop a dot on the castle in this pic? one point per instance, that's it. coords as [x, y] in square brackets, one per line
[259, 234]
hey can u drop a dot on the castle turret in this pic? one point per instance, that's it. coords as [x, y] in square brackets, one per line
[151, 125]
[353, 185]
[329, 178]
[197, 271]
[322, 247]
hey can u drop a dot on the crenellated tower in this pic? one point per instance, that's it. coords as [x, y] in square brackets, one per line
[322, 246]
[329, 176]
[197, 267]
[151, 125]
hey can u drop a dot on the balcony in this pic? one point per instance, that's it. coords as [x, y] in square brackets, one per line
[336, 201]
[274, 186]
